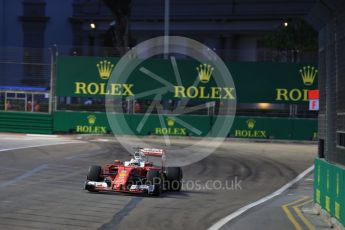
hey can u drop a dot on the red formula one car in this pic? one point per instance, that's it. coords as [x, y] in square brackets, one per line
[138, 175]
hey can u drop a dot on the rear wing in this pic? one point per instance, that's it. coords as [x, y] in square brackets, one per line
[153, 152]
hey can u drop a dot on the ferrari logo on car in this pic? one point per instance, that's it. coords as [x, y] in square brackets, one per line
[123, 173]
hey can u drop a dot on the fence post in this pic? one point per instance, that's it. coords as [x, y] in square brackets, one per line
[52, 99]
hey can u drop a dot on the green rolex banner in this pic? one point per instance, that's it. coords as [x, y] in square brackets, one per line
[243, 127]
[254, 82]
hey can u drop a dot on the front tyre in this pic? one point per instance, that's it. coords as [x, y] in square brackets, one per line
[94, 174]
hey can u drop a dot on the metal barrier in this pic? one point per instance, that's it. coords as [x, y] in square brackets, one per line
[25, 79]
[21, 122]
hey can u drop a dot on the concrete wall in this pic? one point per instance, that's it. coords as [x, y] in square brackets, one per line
[332, 77]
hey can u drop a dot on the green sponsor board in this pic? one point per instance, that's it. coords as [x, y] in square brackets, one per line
[329, 190]
[79, 122]
[243, 127]
[23, 122]
[254, 82]
[274, 128]
[317, 181]
[339, 191]
[88, 76]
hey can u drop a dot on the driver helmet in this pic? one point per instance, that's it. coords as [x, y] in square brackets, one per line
[134, 161]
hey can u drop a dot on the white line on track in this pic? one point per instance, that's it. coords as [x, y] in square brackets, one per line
[42, 135]
[25, 175]
[35, 146]
[101, 140]
[219, 224]
[16, 139]
[33, 171]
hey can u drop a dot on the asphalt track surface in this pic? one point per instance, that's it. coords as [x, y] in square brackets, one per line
[41, 187]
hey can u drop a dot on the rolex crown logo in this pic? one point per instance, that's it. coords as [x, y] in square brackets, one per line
[91, 119]
[308, 74]
[250, 123]
[170, 121]
[104, 69]
[204, 72]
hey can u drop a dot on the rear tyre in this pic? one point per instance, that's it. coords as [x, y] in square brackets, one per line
[174, 178]
[153, 177]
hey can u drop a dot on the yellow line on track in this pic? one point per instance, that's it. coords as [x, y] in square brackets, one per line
[303, 218]
[291, 218]
[289, 214]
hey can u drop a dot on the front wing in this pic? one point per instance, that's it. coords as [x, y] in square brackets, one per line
[104, 187]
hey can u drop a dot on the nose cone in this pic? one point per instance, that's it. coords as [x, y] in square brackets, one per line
[121, 178]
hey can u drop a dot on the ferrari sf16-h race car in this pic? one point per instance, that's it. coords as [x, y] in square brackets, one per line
[138, 175]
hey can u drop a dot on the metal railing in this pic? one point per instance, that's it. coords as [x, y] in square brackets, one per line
[249, 55]
[25, 79]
